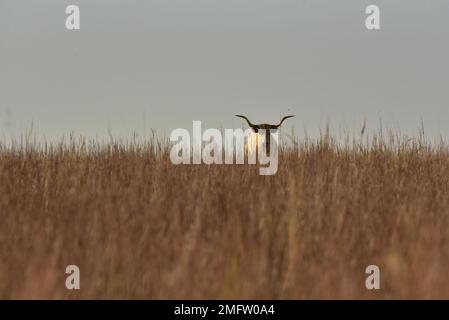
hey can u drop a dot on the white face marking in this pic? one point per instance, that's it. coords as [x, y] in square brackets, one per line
[253, 142]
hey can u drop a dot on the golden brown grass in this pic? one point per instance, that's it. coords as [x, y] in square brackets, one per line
[140, 227]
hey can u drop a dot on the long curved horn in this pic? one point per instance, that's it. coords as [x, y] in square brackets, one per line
[283, 119]
[247, 120]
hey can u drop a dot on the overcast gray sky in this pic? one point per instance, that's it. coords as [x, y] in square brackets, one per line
[160, 64]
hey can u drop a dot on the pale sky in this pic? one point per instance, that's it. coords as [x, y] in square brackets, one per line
[160, 64]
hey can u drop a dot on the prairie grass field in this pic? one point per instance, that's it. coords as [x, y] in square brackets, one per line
[140, 227]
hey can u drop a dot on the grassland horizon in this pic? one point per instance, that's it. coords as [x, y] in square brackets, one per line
[140, 227]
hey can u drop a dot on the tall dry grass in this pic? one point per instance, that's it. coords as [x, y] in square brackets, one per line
[140, 227]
